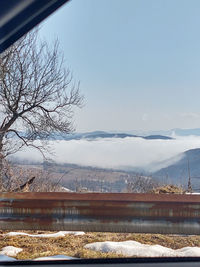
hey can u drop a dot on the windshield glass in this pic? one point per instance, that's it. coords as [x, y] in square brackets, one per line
[129, 123]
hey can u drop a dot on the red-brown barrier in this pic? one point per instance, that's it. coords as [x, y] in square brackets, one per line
[97, 212]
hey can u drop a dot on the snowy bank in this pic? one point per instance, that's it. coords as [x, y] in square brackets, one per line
[58, 234]
[136, 249]
[10, 251]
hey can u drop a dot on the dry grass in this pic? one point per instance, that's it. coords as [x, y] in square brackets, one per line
[168, 189]
[70, 245]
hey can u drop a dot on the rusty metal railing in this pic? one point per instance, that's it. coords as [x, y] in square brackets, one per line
[97, 212]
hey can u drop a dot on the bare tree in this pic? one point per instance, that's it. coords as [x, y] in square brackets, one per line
[16, 178]
[37, 94]
[140, 184]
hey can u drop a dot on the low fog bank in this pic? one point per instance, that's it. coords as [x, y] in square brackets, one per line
[118, 153]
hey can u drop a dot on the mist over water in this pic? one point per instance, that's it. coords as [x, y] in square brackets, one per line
[117, 153]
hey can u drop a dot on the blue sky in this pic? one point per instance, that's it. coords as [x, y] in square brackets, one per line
[138, 61]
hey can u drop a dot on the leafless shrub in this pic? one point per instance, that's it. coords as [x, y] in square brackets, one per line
[140, 184]
[17, 178]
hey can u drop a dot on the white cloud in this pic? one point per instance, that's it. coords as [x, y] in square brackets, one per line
[118, 152]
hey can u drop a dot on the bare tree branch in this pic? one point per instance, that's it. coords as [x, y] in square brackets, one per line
[37, 94]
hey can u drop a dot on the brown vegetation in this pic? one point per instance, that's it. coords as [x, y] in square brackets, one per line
[17, 178]
[168, 189]
[70, 245]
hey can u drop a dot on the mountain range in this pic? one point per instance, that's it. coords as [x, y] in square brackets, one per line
[101, 134]
[177, 131]
[179, 172]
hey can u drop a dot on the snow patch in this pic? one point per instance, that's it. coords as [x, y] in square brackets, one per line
[66, 189]
[10, 251]
[133, 248]
[58, 234]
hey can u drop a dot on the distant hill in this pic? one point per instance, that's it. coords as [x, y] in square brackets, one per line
[179, 171]
[95, 135]
[186, 132]
[151, 137]
[101, 134]
[177, 131]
